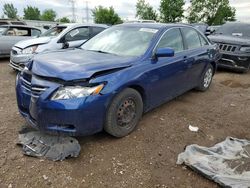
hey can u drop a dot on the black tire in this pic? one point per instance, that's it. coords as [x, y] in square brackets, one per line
[205, 84]
[127, 104]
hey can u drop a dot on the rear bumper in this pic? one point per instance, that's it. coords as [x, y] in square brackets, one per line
[235, 62]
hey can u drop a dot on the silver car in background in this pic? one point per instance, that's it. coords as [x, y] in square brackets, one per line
[59, 37]
[11, 34]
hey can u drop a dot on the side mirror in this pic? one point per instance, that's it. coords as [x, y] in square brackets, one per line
[65, 45]
[164, 52]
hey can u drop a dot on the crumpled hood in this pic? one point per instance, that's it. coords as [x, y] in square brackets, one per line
[34, 41]
[76, 64]
[229, 39]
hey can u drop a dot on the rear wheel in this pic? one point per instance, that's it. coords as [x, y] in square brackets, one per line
[206, 79]
[124, 113]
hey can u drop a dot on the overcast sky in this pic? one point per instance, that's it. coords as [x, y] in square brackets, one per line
[125, 8]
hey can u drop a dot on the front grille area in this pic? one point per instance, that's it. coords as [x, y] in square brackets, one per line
[16, 66]
[34, 90]
[227, 47]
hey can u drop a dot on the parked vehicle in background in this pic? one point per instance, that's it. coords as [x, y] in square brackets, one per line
[233, 40]
[213, 28]
[202, 27]
[140, 21]
[11, 22]
[11, 34]
[112, 79]
[59, 37]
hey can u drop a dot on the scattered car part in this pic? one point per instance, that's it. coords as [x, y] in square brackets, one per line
[226, 163]
[233, 40]
[53, 147]
[193, 129]
[59, 37]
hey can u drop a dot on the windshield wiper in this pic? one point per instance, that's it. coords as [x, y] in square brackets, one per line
[100, 51]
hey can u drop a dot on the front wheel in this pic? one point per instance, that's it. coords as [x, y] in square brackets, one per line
[124, 113]
[206, 78]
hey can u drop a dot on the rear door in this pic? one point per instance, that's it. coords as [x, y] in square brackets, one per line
[197, 54]
[168, 74]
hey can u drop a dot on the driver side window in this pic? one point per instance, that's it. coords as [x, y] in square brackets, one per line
[77, 34]
[172, 39]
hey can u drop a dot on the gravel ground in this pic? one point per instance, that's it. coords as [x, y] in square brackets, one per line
[147, 157]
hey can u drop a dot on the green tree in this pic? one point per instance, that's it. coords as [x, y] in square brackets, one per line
[212, 12]
[48, 15]
[171, 11]
[145, 11]
[31, 13]
[106, 15]
[10, 11]
[64, 20]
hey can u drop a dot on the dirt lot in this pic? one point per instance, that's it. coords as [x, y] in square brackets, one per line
[147, 157]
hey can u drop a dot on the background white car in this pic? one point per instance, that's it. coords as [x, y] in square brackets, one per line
[59, 37]
[11, 34]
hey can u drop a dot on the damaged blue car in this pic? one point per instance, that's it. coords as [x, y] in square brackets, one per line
[115, 77]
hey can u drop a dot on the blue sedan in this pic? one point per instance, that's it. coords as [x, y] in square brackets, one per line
[115, 77]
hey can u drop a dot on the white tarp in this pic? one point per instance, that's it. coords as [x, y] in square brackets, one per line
[227, 163]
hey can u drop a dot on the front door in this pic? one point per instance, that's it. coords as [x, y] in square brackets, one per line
[168, 74]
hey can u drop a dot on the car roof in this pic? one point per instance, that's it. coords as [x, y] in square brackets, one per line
[23, 26]
[84, 24]
[237, 23]
[154, 25]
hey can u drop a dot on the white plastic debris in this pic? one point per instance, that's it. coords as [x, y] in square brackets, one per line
[226, 163]
[193, 129]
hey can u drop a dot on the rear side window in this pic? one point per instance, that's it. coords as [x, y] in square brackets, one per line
[78, 34]
[15, 31]
[96, 30]
[172, 39]
[192, 38]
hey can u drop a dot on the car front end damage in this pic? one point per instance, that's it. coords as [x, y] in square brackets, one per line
[235, 57]
[43, 109]
[18, 59]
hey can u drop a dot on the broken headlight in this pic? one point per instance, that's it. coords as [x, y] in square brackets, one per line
[72, 92]
[29, 50]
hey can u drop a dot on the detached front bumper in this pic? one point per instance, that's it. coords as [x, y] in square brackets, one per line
[74, 117]
[235, 62]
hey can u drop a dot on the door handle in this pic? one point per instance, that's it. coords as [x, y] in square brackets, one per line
[185, 59]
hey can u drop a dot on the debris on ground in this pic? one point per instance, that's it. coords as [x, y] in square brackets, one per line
[227, 163]
[53, 147]
[193, 129]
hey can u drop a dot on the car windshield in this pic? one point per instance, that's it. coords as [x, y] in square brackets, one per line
[235, 29]
[53, 32]
[122, 41]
